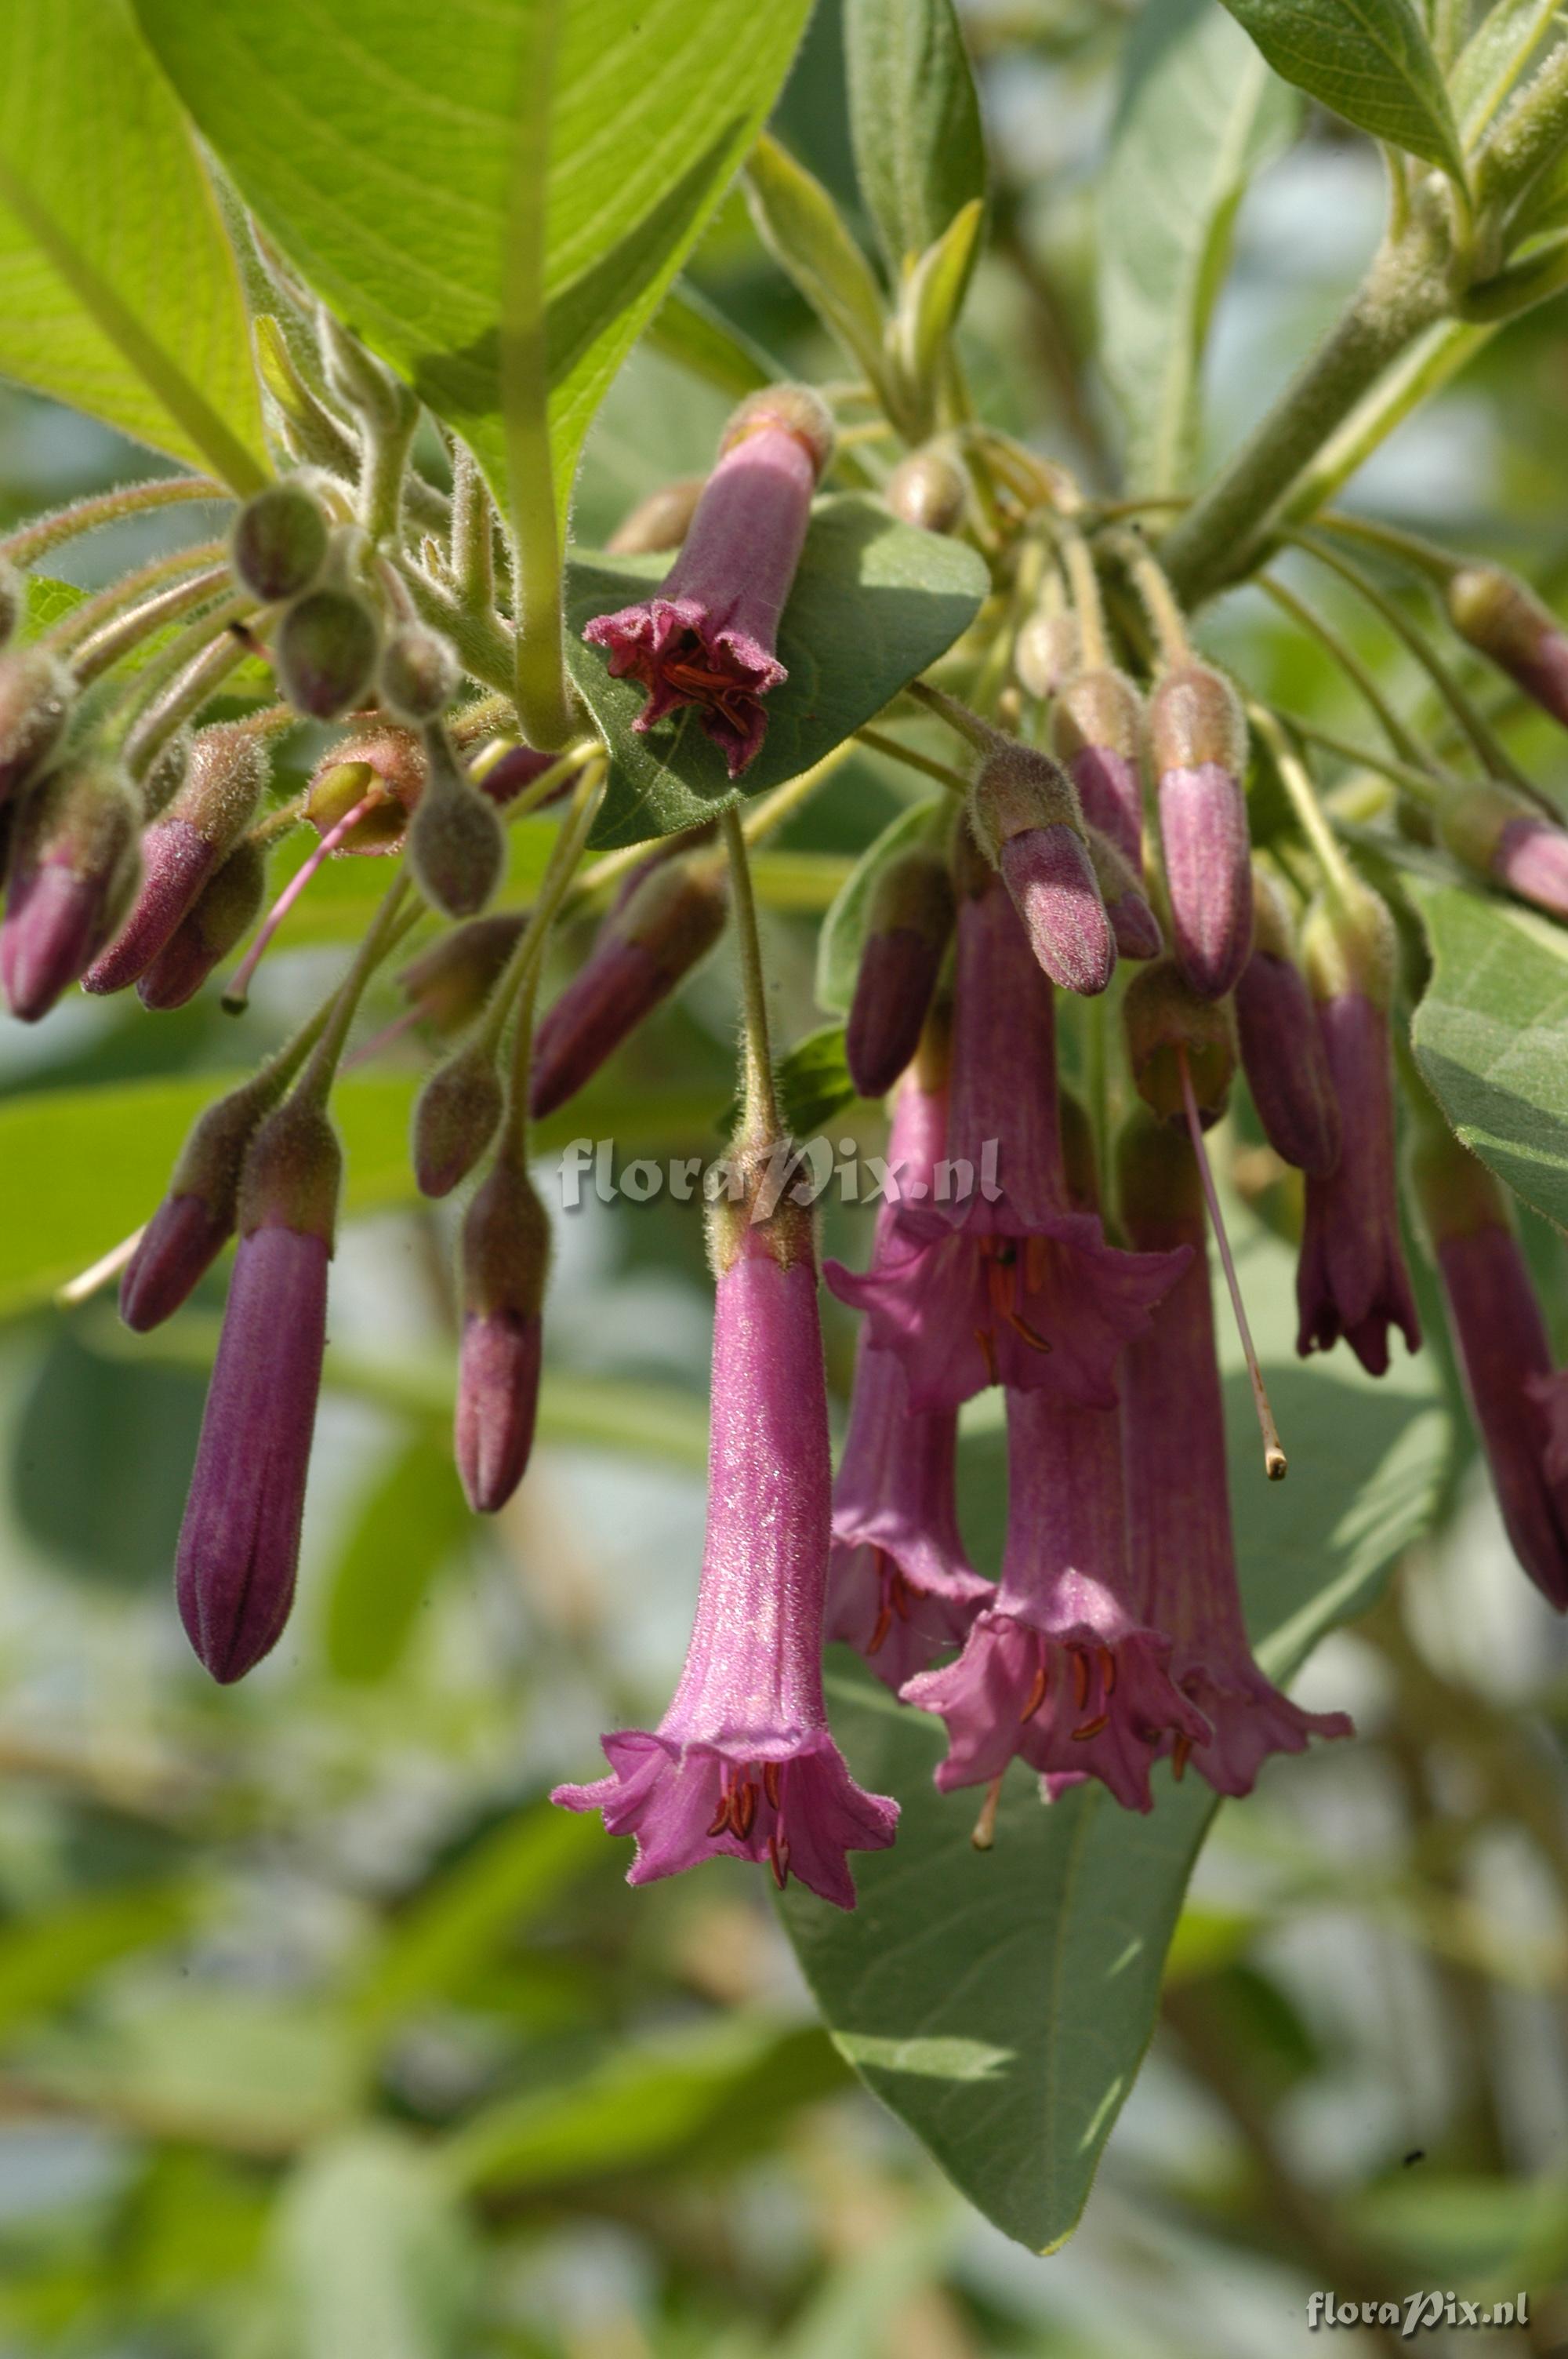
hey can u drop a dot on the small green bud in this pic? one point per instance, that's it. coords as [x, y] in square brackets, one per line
[797, 409]
[457, 844]
[1047, 654]
[325, 652]
[456, 1117]
[279, 544]
[1163, 1015]
[293, 1173]
[420, 674]
[929, 489]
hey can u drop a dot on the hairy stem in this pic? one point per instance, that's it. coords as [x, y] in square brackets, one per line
[760, 1098]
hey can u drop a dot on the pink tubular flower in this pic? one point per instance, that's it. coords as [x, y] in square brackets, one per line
[1282, 1049]
[743, 1763]
[239, 1544]
[1061, 1671]
[1504, 1354]
[1097, 724]
[1199, 743]
[1024, 813]
[900, 1586]
[1351, 1279]
[1179, 1534]
[707, 635]
[505, 1259]
[74, 868]
[1023, 1290]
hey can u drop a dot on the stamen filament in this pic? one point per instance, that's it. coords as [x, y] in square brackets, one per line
[238, 992]
[984, 1835]
[1275, 1462]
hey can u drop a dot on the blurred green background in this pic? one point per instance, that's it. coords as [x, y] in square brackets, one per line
[321, 2035]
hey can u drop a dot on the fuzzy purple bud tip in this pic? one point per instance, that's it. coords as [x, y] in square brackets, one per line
[897, 975]
[176, 861]
[54, 922]
[1202, 827]
[1108, 791]
[1286, 1064]
[498, 1402]
[1049, 875]
[1351, 1279]
[178, 1246]
[1532, 860]
[239, 1545]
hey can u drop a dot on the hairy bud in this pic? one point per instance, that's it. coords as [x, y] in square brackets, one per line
[1348, 945]
[457, 847]
[661, 521]
[455, 1119]
[391, 763]
[503, 772]
[198, 1216]
[1505, 621]
[420, 674]
[797, 409]
[1282, 1051]
[448, 983]
[1199, 743]
[73, 873]
[279, 542]
[1025, 819]
[1048, 653]
[181, 851]
[325, 652]
[505, 1262]
[1096, 727]
[37, 693]
[907, 930]
[1132, 922]
[219, 918]
[1504, 835]
[929, 489]
[1165, 1018]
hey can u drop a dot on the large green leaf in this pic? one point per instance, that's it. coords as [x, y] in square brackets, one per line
[372, 2255]
[1369, 61]
[1491, 1036]
[1199, 113]
[1000, 2003]
[874, 603]
[920, 152]
[118, 292]
[387, 152]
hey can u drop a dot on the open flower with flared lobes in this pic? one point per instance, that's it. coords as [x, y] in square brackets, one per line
[1022, 1290]
[1062, 1670]
[743, 1763]
[1178, 1506]
[1504, 1352]
[900, 1588]
[1351, 1279]
[708, 636]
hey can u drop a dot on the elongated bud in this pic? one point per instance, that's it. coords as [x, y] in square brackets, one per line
[1502, 619]
[1503, 835]
[456, 1117]
[386, 767]
[182, 850]
[221, 917]
[163, 781]
[279, 544]
[1132, 922]
[1026, 818]
[1199, 743]
[1048, 653]
[198, 1216]
[505, 1260]
[1282, 1051]
[37, 693]
[929, 489]
[73, 874]
[644, 947]
[325, 652]
[420, 674]
[907, 931]
[447, 984]
[456, 844]
[1096, 728]
[507, 771]
[797, 409]
[12, 600]
[1165, 1016]
[1348, 945]
[661, 521]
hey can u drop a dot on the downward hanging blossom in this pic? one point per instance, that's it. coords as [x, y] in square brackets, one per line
[1010, 1284]
[743, 1764]
[901, 1587]
[1179, 1533]
[708, 636]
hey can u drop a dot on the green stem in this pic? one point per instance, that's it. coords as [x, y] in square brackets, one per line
[483, 643]
[1436, 359]
[1088, 605]
[1155, 595]
[474, 535]
[382, 931]
[1401, 739]
[177, 682]
[31, 541]
[1425, 557]
[1292, 774]
[1429, 786]
[968, 725]
[76, 628]
[103, 649]
[1530, 135]
[1218, 539]
[879, 743]
[529, 951]
[760, 1118]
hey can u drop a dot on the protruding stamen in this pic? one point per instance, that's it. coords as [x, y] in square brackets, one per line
[108, 1266]
[984, 1338]
[382, 1039]
[235, 997]
[1274, 1459]
[984, 1835]
[778, 1858]
[1179, 1752]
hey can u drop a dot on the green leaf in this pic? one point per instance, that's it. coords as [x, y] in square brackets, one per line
[1369, 60]
[374, 2256]
[1198, 114]
[814, 1084]
[874, 603]
[920, 152]
[1491, 1036]
[118, 290]
[1000, 2003]
[1493, 59]
[385, 153]
[802, 228]
[413, 1520]
[47, 1960]
[843, 934]
[688, 327]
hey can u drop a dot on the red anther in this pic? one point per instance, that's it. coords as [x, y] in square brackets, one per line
[883, 1624]
[1091, 1728]
[1108, 1669]
[984, 1338]
[1036, 1253]
[743, 1808]
[778, 1858]
[725, 1804]
[773, 1782]
[1080, 1677]
[898, 1589]
[1036, 1695]
[1179, 1752]
[1032, 1335]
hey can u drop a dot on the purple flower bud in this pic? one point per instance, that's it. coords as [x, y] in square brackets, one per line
[181, 851]
[505, 1261]
[1199, 743]
[388, 763]
[929, 489]
[1282, 1051]
[707, 635]
[1183, 1553]
[1351, 1279]
[220, 916]
[506, 774]
[1504, 1354]
[1135, 927]
[645, 948]
[1026, 818]
[73, 872]
[907, 930]
[1502, 834]
[447, 984]
[1096, 729]
[456, 1119]
[661, 521]
[1504, 619]
[457, 848]
[325, 650]
[1166, 1019]
[196, 1217]
[744, 1762]
[37, 693]
[1048, 653]
[279, 540]
[239, 1544]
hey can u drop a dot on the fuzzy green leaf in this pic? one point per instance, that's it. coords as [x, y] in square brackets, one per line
[1369, 60]
[920, 151]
